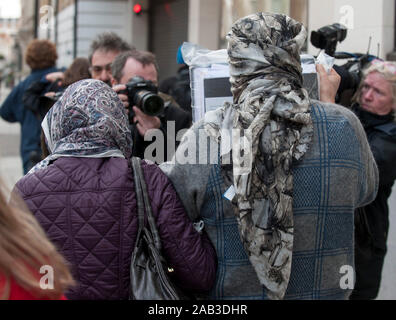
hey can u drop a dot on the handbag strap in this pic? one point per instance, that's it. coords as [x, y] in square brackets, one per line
[139, 199]
[144, 202]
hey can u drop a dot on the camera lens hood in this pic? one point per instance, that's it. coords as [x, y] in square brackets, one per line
[150, 103]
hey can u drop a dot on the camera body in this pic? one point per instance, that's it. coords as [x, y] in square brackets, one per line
[144, 95]
[47, 102]
[327, 37]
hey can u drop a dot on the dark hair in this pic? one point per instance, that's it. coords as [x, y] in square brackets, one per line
[78, 70]
[144, 57]
[41, 54]
[109, 41]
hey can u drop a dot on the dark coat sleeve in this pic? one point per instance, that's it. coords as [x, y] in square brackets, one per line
[182, 121]
[8, 110]
[167, 84]
[190, 253]
[383, 147]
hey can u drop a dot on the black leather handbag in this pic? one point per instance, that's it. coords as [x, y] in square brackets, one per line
[149, 272]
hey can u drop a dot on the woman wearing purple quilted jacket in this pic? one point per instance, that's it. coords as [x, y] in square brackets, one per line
[83, 196]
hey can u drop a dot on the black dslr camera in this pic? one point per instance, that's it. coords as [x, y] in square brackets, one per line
[327, 37]
[144, 95]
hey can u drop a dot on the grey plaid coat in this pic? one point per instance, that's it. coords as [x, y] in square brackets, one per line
[337, 175]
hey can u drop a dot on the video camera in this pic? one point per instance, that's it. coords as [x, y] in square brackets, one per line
[143, 94]
[327, 38]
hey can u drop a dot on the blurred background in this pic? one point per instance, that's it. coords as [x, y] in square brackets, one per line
[162, 25]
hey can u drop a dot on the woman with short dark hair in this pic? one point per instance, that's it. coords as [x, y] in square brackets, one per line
[41, 54]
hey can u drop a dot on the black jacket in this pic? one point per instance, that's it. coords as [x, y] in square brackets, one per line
[172, 113]
[179, 88]
[381, 135]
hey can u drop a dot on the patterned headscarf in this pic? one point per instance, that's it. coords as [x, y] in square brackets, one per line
[273, 110]
[88, 121]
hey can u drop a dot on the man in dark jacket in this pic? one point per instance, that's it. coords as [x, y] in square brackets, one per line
[178, 87]
[41, 57]
[170, 123]
[376, 110]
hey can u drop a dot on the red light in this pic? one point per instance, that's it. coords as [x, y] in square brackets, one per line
[137, 8]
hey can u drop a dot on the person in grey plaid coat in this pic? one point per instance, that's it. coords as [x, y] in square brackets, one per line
[275, 176]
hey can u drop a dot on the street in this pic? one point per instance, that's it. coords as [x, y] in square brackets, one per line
[11, 171]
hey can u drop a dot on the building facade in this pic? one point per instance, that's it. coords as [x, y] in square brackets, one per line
[10, 49]
[8, 32]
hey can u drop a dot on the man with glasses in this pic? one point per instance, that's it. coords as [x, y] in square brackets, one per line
[143, 64]
[104, 49]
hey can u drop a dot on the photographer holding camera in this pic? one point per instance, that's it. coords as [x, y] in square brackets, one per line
[375, 106]
[135, 79]
[327, 38]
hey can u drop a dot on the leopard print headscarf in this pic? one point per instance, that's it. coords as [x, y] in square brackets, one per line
[273, 110]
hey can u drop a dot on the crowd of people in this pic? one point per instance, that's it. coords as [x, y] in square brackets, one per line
[288, 192]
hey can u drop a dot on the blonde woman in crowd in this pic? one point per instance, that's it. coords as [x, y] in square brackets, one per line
[24, 251]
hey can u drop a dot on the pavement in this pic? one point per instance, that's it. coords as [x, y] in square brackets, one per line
[11, 172]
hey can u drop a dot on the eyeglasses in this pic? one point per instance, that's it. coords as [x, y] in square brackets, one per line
[99, 69]
[388, 66]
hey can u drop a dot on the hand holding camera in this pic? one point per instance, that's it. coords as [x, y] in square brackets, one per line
[144, 122]
[327, 38]
[120, 88]
[143, 94]
[143, 103]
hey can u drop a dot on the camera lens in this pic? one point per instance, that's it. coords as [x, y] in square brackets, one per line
[150, 103]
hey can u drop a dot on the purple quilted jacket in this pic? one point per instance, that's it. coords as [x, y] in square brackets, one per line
[88, 209]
